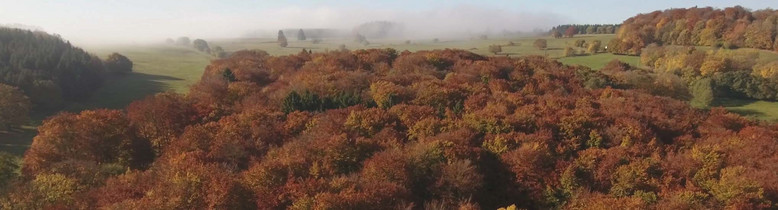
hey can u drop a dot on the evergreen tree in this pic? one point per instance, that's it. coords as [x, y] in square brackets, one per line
[282, 39]
[301, 35]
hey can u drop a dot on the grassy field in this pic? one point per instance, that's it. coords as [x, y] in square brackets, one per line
[523, 45]
[157, 68]
[599, 60]
[755, 109]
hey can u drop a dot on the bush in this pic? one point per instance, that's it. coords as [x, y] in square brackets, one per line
[540, 44]
[496, 49]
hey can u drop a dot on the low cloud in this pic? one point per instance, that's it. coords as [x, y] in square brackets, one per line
[442, 22]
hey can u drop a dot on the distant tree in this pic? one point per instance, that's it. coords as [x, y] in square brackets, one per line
[342, 47]
[118, 63]
[511, 43]
[483, 37]
[570, 32]
[282, 39]
[48, 69]
[316, 41]
[14, 107]
[359, 38]
[201, 45]
[702, 93]
[594, 46]
[495, 49]
[169, 41]
[9, 164]
[580, 43]
[591, 29]
[183, 41]
[409, 42]
[569, 52]
[556, 34]
[540, 44]
[301, 35]
[228, 75]
[218, 52]
[435, 40]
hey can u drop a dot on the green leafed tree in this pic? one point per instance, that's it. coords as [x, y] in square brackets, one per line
[301, 35]
[201, 45]
[118, 63]
[14, 107]
[282, 39]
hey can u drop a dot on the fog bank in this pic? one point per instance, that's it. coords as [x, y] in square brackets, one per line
[445, 21]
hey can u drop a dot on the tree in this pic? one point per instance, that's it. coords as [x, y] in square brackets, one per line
[359, 38]
[9, 166]
[702, 93]
[495, 49]
[590, 30]
[169, 41]
[99, 136]
[570, 32]
[569, 52]
[219, 52]
[282, 39]
[594, 47]
[556, 34]
[580, 43]
[47, 68]
[228, 75]
[118, 63]
[540, 44]
[201, 45]
[14, 107]
[183, 41]
[301, 35]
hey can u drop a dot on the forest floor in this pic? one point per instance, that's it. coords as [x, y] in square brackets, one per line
[163, 68]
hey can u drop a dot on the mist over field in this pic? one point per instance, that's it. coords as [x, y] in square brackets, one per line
[452, 21]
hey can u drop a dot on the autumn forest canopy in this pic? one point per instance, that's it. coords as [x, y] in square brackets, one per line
[389, 129]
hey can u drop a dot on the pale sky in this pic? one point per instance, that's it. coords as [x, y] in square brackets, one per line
[102, 21]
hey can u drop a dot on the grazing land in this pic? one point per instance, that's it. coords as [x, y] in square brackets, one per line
[157, 68]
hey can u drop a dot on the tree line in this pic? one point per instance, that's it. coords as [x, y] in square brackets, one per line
[200, 45]
[381, 129]
[43, 72]
[585, 29]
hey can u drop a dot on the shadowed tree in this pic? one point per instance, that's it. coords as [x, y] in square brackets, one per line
[301, 35]
[14, 107]
[118, 63]
[201, 45]
[540, 44]
[282, 39]
[495, 49]
[184, 41]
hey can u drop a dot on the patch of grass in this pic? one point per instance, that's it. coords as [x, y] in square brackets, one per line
[157, 68]
[755, 109]
[523, 45]
[17, 141]
[599, 60]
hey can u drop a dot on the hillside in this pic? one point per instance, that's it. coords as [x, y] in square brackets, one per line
[378, 129]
